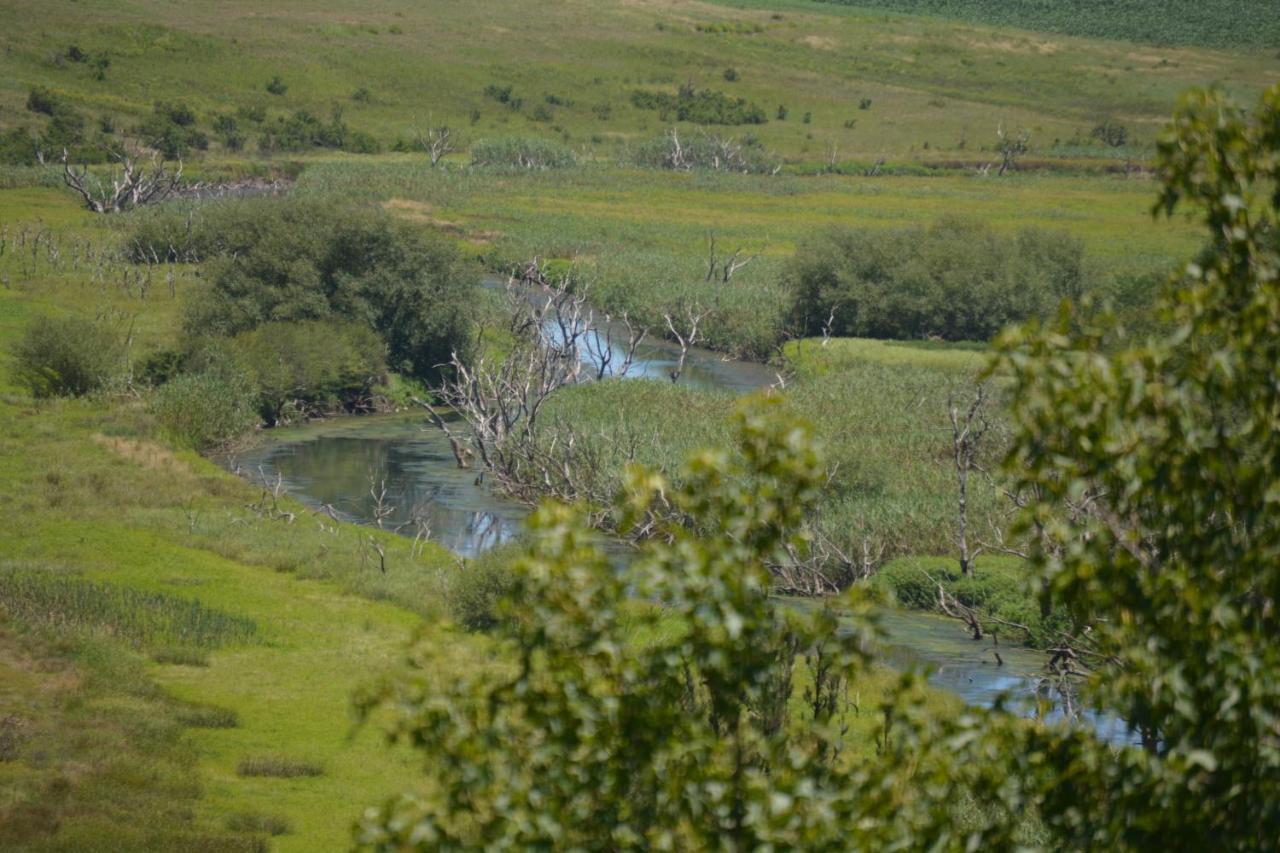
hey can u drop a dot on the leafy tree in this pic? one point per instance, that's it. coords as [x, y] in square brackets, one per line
[288, 261]
[311, 364]
[957, 280]
[1175, 564]
[683, 743]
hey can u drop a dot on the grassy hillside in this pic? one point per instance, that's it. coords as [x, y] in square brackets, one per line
[119, 727]
[854, 80]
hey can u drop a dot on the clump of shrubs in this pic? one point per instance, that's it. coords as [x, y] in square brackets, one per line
[312, 365]
[280, 261]
[477, 586]
[953, 281]
[171, 129]
[207, 408]
[303, 130]
[522, 152]
[307, 308]
[700, 106]
[68, 356]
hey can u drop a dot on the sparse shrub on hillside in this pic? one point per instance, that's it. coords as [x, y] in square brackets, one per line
[522, 152]
[1110, 133]
[711, 152]
[700, 106]
[954, 280]
[68, 356]
[276, 86]
[171, 130]
[65, 129]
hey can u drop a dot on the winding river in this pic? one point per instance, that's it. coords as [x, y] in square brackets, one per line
[333, 463]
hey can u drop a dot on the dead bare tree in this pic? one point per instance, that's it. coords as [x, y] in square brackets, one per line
[969, 426]
[131, 183]
[602, 352]
[499, 402]
[437, 141]
[827, 326]
[723, 269]
[1011, 147]
[686, 334]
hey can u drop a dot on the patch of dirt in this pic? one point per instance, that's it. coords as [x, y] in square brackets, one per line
[1043, 48]
[417, 211]
[819, 42]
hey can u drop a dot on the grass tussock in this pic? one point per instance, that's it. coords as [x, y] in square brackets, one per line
[182, 657]
[208, 717]
[262, 824]
[277, 767]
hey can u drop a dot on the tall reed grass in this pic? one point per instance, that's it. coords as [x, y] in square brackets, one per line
[45, 599]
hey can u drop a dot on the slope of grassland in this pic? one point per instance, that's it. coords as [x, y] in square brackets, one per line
[113, 737]
[856, 81]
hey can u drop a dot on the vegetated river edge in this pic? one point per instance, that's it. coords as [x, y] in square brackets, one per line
[329, 465]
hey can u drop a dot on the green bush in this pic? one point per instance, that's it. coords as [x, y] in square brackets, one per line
[478, 585]
[304, 130]
[700, 106]
[283, 261]
[68, 356]
[208, 408]
[171, 129]
[955, 280]
[522, 152]
[301, 366]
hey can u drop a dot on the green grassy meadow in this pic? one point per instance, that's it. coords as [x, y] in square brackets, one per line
[937, 89]
[93, 497]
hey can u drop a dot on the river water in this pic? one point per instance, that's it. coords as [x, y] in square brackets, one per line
[333, 464]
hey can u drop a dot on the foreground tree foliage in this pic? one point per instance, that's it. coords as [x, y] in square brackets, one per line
[1176, 568]
[682, 739]
[682, 743]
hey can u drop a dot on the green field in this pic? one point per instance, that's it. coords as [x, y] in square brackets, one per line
[935, 91]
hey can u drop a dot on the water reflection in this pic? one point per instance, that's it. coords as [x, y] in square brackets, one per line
[390, 469]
